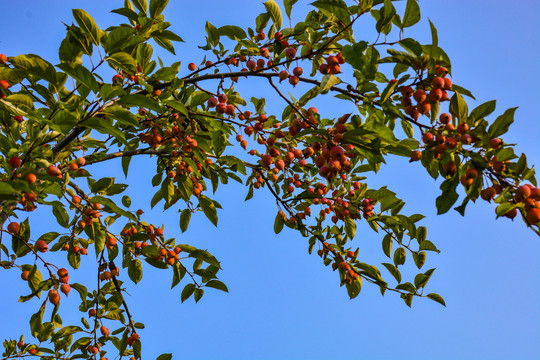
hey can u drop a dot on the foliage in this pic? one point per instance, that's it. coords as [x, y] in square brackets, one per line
[59, 120]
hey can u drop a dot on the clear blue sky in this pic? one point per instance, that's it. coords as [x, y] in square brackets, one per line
[283, 303]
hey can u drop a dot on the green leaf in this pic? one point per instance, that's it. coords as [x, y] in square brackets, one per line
[483, 110]
[288, 4]
[408, 298]
[419, 259]
[60, 214]
[327, 82]
[187, 292]
[205, 256]
[185, 216]
[216, 284]
[135, 271]
[81, 289]
[63, 121]
[412, 14]
[407, 128]
[354, 288]
[120, 38]
[122, 60]
[335, 8]
[81, 74]
[219, 142]
[87, 24]
[232, 32]
[209, 209]
[98, 233]
[169, 35]
[388, 90]
[436, 297]
[278, 224]
[428, 245]
[261, 21]
[129, 13]
[141, 5]
[421, 234]
[411, 46]
[157, 7]
[460, 89]
[458, 107]
[434, 39]
[387, 245]
[504, 208]
[123, 116]
[21, 100]
[393, 270]
[165, 43]
[35, 65]
[275, 12]
[140, 101]
[5, 188]
[164, 357]
[502, 123]
[105, 127]
[198, 294]
[350, 227]
[448, 196]
[399, 256]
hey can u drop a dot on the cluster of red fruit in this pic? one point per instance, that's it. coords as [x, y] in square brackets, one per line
[438, 92]
[333, 64]
[107, 273]
[340, 263]
[170, 256]
[221, 105]
[76, 249]
[118, 79]
[527, 196]
[4, 84]
[63, 278]
[444, 137]
[90, 214]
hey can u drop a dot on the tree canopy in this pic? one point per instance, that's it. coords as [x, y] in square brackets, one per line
[59, 120]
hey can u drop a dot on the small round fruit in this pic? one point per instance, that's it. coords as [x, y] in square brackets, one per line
[427, 138]
[41, 246]
[15, 162]
[466, 181]
[290, 52]
[416, 155]
[523, 192]
[104, 331]
[533, 216]
[445, 118]
[52, 171]
[13, 228]
[293, 80]
[24, 275]
[419, 95]
[488, 193]
[495, 143]
[407, 91]
[65, 288]
[511, 213]
[54, 297]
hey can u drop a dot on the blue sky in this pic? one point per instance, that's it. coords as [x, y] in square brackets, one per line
[283, 303]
